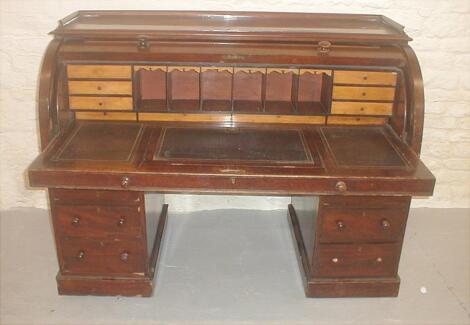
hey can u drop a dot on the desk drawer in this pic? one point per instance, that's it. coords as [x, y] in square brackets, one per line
[100, 103]
[92, 197]
[98, 221]
[90, 71]
[100, 87]
[82, 256]
[363, 93]
[361, 108]
[356, 260]
[365, 78]
[340, 225]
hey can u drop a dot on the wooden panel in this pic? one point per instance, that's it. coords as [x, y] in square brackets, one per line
[342, 225]
[265, 118]
[361, 108]
[183, 117]
[356, 260]
[100, 103]
[106, 116]
[99, 71]
[87, 256]
[100, 87]
[364, 93]
[346, 120]
[236, 118]
[365, 78]
[98, 221]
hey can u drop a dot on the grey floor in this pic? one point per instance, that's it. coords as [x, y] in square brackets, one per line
[238, 267]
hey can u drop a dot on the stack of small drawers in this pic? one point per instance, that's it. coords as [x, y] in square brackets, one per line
[362, 97]
[100, 233]
[359, 238]
[101, 91]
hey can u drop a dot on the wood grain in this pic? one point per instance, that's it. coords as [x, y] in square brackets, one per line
[365, 78]
[361, 108]
[100, 87]
[363, 93]
[99, 71]
[100, 103]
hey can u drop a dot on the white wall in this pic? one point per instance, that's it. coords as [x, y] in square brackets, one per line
[441, 32]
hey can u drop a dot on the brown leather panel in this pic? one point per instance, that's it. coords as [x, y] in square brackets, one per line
[361, 147]
[101, 141]
[237, 144]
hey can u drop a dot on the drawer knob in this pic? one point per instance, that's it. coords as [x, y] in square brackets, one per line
[143, 44]
[341, 186]
[379, 260]
[98, 88]
[81, 255]
[340, 225]
[75, 221]
[364, 77]
[121, 221]
[124, 256]
[364, 93]
[385, 224]
[324, 47]
[335, 260]
[125, 180]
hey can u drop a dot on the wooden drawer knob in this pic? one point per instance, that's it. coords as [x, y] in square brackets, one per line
[75, 221]
[341, 186]
[335, 260]
[125, 180]
[385, 224]
[121, 221]
[340, 225]
[81, 255]
[124, 256]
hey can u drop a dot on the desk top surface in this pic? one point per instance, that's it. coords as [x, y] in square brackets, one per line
[213, 25]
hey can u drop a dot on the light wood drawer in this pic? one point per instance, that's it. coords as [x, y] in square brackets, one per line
[365, 78]
[361, 108]
[357, 120]
[364, 93]
[100, 87]
[106, 116]
[356, 260]
[100, 103]
[99, 71]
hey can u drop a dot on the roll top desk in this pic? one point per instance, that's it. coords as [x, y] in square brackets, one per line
[325, 108]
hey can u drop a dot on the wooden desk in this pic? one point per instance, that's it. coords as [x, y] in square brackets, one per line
[327, 109]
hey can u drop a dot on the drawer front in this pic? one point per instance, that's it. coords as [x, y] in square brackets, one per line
[363, 93]
[361, 108]
[106, 116]
[99, 71]
[103, 257]
[96, 221]
[365, 78]
[100, 87]
[100, 103]
[93, 197]
[368, 260]
[361, 225]
[356, 120]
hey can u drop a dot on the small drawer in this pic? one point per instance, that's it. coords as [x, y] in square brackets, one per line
[82, 256]
[106, 116]
[365, 78]
[356, 260]
[99, 71]
[98, 221]
[341, 225]
[356, 120]
[100, 103]
[361, 108]
[96, 197]
[100, 87]
[363, 93]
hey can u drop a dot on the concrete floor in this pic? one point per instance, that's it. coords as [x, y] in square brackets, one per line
[238, 267]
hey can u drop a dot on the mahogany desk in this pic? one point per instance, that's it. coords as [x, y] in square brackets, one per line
[327, 109]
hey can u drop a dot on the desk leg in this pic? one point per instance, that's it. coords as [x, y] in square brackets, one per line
[349, 246]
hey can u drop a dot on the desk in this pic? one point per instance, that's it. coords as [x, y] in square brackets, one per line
[274, 109]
